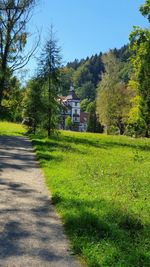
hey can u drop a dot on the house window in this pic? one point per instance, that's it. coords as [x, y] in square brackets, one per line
[75, 111]
[76, 104]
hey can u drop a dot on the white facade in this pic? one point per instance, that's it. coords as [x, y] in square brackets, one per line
[71, 107]
[75, 110]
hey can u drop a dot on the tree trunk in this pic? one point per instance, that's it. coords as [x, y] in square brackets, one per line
[147, 133]
[49, 122]
[2, 83]
[49, 108]
[120, 126]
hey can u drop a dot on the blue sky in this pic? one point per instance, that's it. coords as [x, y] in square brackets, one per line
[86, 27]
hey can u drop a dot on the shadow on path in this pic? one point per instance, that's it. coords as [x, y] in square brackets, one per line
[30, 231]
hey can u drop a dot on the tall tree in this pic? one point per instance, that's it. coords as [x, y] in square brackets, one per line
[50, 63]
[112, 96]
[140, 47]
[14, 16]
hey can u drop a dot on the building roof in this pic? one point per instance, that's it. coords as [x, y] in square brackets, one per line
[84, 117]
[61, 97]
[72, 96]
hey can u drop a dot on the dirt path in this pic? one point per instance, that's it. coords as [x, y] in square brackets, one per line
[30, 232]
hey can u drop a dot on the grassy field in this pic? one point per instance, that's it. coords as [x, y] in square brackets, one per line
[100, 187]
[9, 128]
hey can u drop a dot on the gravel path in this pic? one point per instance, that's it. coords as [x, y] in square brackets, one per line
[31, 233]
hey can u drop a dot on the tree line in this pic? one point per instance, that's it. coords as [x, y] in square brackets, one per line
[113, 86]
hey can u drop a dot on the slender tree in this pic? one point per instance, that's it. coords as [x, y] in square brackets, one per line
[49, 70]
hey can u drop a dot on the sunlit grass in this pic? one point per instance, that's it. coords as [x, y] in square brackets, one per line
[100, 186]
[9, 128]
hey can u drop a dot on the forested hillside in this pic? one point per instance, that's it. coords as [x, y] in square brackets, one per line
[86, 75]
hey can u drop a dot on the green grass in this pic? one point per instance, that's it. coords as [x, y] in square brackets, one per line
[100, 187]
[9, 128]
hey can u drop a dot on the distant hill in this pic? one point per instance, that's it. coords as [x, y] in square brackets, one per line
[85, 74]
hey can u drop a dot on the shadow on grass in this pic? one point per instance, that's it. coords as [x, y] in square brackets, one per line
[45, 157]
[54, 144]
[65, 143]
[104, 144]
[110, 229]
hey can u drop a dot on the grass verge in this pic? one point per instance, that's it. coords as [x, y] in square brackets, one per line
[100, 186]
[10, 128]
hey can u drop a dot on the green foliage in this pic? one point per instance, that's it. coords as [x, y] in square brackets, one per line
[49, 72]
[93, 123]
[14, 16]
[33, 105]
[82, 75]
[87, 90]
[112, 97]
[135, 123]
[145, 9]
[75, 64]
[86, 75]
[123, 53]
[41, 107]
[100, 186]
[11, 105]
[140, 47]
[84, 103]
[68, 123]
[66, 79]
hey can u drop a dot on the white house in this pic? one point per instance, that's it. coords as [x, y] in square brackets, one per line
[70, 106]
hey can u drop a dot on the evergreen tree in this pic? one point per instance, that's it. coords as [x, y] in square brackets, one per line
[49, 71]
